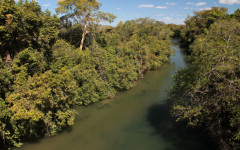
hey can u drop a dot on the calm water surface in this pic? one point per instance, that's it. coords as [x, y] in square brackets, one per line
[137, 119]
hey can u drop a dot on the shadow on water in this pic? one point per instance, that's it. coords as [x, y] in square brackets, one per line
[180, 137]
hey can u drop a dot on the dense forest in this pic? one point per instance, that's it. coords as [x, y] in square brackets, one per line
[51, 65]
[207, 93]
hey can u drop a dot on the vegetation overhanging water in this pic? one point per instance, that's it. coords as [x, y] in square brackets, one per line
[136, 119]
[46, 71]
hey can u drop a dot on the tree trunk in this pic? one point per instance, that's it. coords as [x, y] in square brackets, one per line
[83, 36]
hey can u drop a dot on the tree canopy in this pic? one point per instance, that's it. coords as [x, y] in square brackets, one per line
[200, 23]
[83, 12]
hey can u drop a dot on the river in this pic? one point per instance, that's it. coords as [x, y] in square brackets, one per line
[137, 119]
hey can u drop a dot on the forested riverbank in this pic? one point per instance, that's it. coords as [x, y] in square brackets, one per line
[50, 65]
[137, 118]
[207, 93]
[44, 74]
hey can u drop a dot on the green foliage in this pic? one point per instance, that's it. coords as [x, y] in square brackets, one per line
[43, 78]
[116, 59]
[71, 34]
[177, 29]
[84, 13]
[207, 93]
[5, 79]
[5, 87]
[90, 78]
[21, 22]
[200, 23]
[24, 25]
[40, 105]
[236, 14]
[144, 41]
[48, 34]
[63, 55]
[31, 60]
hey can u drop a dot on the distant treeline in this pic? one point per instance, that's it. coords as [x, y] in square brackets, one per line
[44, 75]
[207, 93]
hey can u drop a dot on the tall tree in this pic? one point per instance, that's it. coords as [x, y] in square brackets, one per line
[83, 12]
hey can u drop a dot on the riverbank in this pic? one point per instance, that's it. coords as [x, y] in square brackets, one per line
[134, 119]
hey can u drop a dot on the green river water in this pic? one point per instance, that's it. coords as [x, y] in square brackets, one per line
[137, 119]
